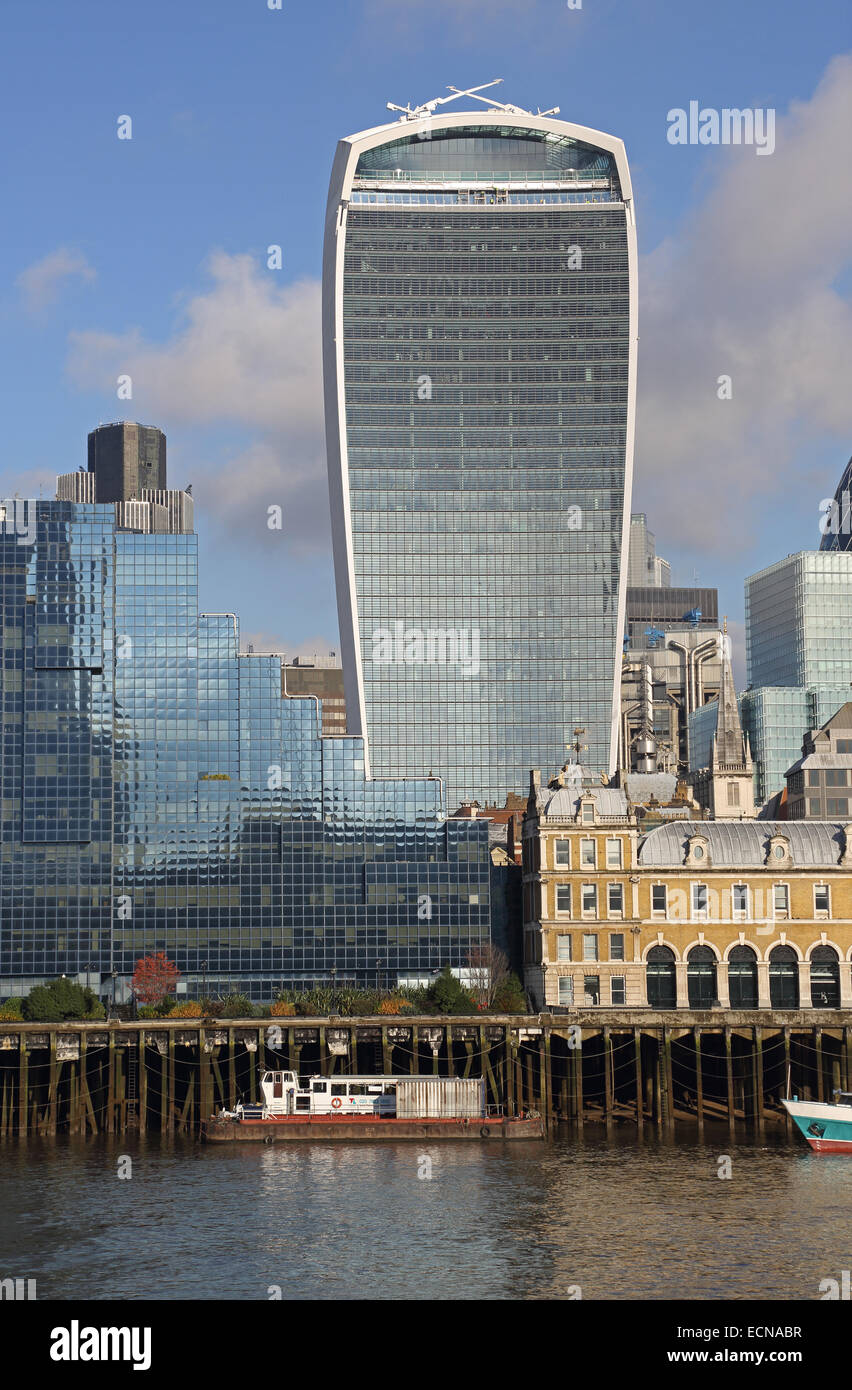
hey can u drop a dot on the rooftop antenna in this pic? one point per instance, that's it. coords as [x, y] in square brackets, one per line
[427, 108]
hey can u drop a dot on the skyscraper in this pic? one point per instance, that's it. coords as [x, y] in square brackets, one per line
[479, 320]
[799, 658]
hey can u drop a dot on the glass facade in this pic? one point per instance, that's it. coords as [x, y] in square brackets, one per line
[158, 794]
[836, 522]
[799, 657]
[478, 284]
[798, 617]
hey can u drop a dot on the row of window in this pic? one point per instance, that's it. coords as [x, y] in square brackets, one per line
[702, 980]
[741, 899]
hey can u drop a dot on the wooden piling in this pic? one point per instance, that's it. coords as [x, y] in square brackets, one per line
[819, 1064]
[578, 1081]
[759, 1117]
[607, 1065]
[53, 1085]
[699, 1081]
[232, 1069]
[548, 1080]
[637, 1072]
[729, 1072]
[23, 1086]
[109, 1126]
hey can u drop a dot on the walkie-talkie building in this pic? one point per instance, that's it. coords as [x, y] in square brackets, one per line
[480, 351]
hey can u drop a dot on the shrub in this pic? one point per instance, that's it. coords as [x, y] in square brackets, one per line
[190, 1009]
[10, 1012]
[57, 1001]
[238, 1006]
[149, 1011]
[282, 1008]
[95, 1011]
[509, 997]
[448, 996]
[393, 1005]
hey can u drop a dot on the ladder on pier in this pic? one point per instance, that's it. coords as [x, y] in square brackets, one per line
[132, 1087]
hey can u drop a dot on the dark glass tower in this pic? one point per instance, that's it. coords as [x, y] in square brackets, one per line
[125, 458]
[479, 352]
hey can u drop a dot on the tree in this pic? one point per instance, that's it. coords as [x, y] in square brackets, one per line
[154, 978]
[489, 971]
[59, 1000]
[448, 995]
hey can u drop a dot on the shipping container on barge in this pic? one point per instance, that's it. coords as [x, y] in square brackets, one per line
[369, 1107]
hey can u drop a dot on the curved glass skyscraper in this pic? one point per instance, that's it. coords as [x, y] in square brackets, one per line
[479, 350]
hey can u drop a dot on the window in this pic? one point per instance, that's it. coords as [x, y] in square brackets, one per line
[563, 948]
[338, 1088]
[613, 854]
[699, 901]
[615, 895]
[733, 793]
[616, 945]
[590, 946]
[563, 897]
[566, 989]
[781, 899]
[592, 989]
[739, 897]
[837, 806]
[814, 807]
[562, 857]
[835, 777]
[320, 1087]
[821, 900]
[813, 778]
[844, 745]
[658, 899]
[588, 813]
[618, 990]
[590, 900]
[588, 859]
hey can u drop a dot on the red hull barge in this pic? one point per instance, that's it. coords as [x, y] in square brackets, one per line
[325, 1128]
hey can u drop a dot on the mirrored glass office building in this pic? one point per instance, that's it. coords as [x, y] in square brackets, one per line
[158, 794]
[479, 301]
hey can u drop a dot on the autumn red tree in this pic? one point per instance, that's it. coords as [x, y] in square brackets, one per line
[154, 977]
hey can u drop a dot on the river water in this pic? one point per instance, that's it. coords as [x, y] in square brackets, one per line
[616, 1218]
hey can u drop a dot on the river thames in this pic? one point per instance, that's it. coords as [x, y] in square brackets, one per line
[596, 1218]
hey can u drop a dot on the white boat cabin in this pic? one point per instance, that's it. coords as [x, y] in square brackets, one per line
[328, 1095]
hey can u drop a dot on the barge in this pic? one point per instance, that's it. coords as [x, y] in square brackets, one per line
[369, 1108]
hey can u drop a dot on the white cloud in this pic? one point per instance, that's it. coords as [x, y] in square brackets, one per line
[246, 352]
[748, 289]
[42, 281]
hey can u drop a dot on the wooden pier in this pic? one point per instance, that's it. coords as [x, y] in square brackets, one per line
[673, 1072]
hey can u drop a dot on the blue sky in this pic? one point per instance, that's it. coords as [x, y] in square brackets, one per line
[149, 256]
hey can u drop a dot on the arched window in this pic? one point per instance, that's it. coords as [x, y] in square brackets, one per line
[783, 978]
[825, 978]
[661, 978]
[701, 977]
[742, 978]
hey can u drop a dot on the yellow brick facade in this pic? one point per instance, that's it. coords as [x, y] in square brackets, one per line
[593, 911]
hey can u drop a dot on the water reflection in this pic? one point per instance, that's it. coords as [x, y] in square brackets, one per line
[622, 1220]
